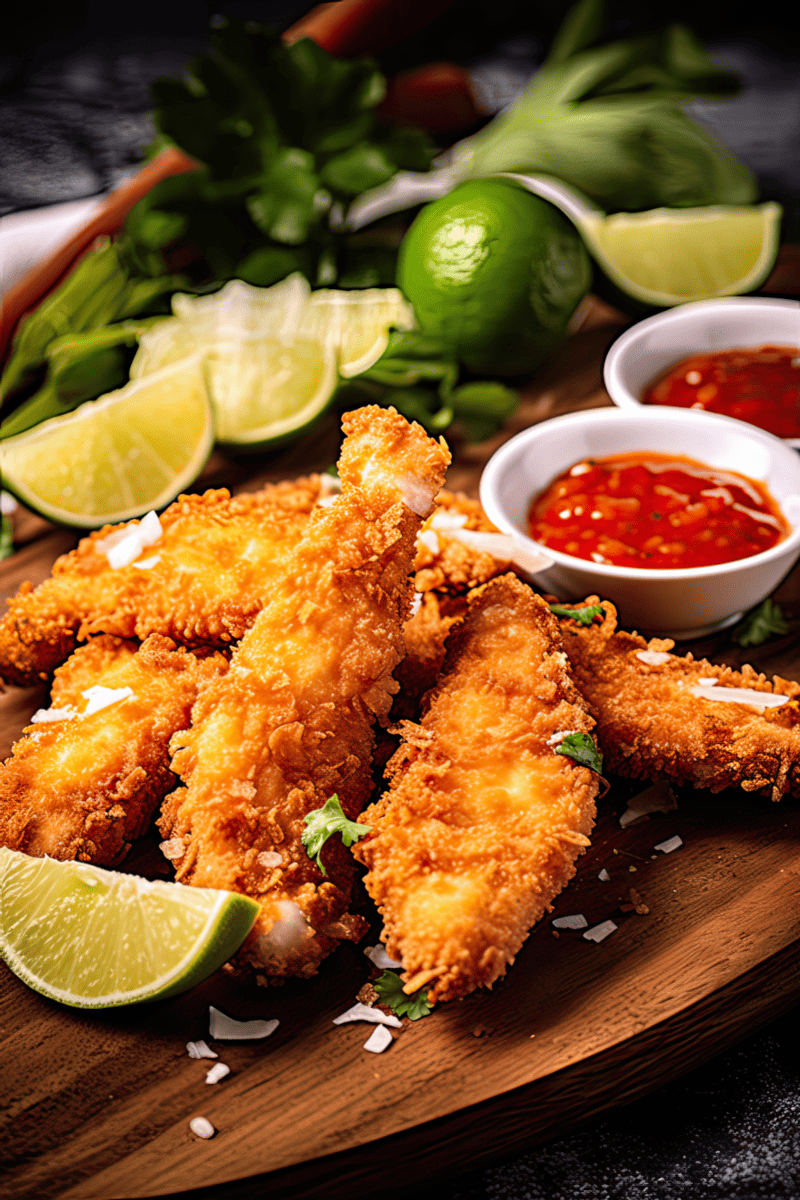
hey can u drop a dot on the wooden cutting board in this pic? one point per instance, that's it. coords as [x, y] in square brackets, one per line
[98, 1104]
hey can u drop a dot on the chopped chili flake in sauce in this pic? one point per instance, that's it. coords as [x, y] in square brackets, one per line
[655, 511]
[761, 386]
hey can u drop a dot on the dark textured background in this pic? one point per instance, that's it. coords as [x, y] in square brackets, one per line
[74, 119]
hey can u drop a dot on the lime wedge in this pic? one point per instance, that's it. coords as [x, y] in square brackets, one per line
[117, 457]
[168, 342]
[672, 255]
[266, 389]
[98, 939]
[357, 323]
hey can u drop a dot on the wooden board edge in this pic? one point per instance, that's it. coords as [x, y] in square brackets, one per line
[475, 1137]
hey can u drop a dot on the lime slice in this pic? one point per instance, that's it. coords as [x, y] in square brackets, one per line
[266, 389]
[116, 457]
[672, 255]
[98, 939]
[240, 308]
[168, 342]
[357, 323]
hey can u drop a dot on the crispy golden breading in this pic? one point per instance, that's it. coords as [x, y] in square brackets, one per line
[483, 821]
[651, 723]
[425, 636]
[291, 723]
[216, 559]
[83, 788]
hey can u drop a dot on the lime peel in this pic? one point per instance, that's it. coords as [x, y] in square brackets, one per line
[93, 938]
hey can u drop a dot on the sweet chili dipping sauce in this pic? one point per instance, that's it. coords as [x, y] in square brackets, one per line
[760, 386]
[655, 511]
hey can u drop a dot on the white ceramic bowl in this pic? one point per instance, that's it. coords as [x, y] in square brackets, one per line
[683, 603]
[647, 349]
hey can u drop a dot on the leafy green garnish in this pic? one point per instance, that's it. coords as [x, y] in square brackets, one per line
[389, 987]
[761, 623]
[286, 137]
[581, 616]
[323, 822]
[581, 748]
[608, 119]
[6, 537]
[418, 374]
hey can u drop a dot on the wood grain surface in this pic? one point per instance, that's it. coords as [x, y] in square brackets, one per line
[98, 1104]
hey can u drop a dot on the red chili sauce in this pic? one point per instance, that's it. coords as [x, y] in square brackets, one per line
[655, 511]
[760, 386]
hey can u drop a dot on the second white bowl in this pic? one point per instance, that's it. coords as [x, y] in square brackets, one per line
[685, 603]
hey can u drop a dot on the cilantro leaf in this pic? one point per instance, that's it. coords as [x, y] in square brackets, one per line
[323, 822]
[581, 748]
[581, 616]
[389, 987]
[761, 623]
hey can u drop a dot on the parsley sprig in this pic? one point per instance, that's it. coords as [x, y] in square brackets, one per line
[761, 623]
[323, 822]
[581, 748]
[389, 987]
[581, 616]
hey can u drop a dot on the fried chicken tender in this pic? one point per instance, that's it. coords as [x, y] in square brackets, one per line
[214, 565]
[657, 715]
[291, 723]
[483, 821]
[84, 787]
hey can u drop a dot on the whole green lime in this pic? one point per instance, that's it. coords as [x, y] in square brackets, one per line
[497, 272]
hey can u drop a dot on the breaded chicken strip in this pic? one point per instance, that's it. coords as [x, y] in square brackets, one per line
[84, 786]
[291, 723]
[210, 573]
[663, 716]
[483, 821]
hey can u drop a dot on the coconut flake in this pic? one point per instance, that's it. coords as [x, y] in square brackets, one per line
[598, 933]
[8, 504]
[653, 658]
[734, 695]
[124, 546]
[201, 1127]
[707, 680]
[269, 858]
[658, 798]
[102, 697]
[226, 1029]
[146, 564]
[604, 876]
[360, 1012]
[416, 604]
[669, 845]
[173, 849]
[430, 540]
[503, 547]
[44, 716]
[217, 1072]
[378, 956]
[576, 921]
[557, 738]
[442, 519]
[379, 1040]
[200, 1050]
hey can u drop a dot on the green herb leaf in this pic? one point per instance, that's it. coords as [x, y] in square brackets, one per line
[323, 822]
[389, 987]
[761, 623]
[608, 120]
[6, 537]
[581, 616]
[581, 748]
